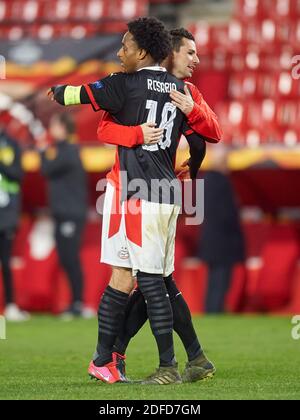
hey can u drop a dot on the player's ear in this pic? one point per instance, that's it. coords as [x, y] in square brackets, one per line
[142, 54]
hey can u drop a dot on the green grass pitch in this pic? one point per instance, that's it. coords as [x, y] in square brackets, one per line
[255, 356]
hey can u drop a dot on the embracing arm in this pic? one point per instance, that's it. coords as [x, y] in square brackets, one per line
[129, 136]
[200, 116]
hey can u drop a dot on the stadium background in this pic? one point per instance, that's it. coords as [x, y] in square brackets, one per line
[246, 49]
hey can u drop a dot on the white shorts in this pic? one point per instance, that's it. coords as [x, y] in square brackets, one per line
[138, 234]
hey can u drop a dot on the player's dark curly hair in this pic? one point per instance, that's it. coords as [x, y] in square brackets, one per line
[177, 35]
[151, 35]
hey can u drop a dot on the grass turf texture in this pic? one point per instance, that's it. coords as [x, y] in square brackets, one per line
[256, 358]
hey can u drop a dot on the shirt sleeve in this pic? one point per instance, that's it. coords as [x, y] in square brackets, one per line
[108, 94]
[197, 147]
[113, 133]
[202, 119]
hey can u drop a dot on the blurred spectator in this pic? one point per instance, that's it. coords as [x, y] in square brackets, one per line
[222, 242]
[10, 178]
[62, 166]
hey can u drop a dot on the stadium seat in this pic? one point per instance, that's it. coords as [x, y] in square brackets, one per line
[256, 122]
[287, 86]
[96, 9]
[280, 59]
[251, 9]
[12, 32]
[235, 297]
[131, 9]
[231, 114]
[44, 31]
[31, 11]
[37, 294]
[286, 9]
[243, 85]
[289, 136]
[5, 11]
[167, 1]
[202, 32]
[193, 287]
[260, 9]
[253, 269]
[236, 36]
[219, 60]
[280, 256]
[287, 114]
[78, 11]
[57, 10]
[293, 307]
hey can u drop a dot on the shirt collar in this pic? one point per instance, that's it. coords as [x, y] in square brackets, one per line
[154, 68]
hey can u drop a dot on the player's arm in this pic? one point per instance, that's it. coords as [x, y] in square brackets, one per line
[197, 151]
[197, 148]
[113, 133]
[108, 94]
[200, 116]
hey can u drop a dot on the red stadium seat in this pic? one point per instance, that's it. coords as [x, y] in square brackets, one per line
[263, 85]
[251, 9]
[289, 136]
[268, 34]
[279, 59]
[253, 268]
[287, 86]
[286, 9]
[44, 31]
[168, 1]
[12, 32]
[288, 113]
[5, 11]
[193, 287]
[280, 256]
[78, 11]
[235, 297]
[31, 11]
[259, 122]
[96, 10]
[260, 9]
[57, 10]
[202, 32]
[130, 9]
[293, 306]
[232, 114]
[232, 117]
[219, 60]
[236, 36]
[243, 85]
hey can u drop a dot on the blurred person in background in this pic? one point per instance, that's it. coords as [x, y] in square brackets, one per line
[222, 242]
[10, 178]
[62, 166]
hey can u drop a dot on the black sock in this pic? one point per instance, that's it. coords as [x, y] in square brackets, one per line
[160, 314]
[135, 317]
[110, 316]
[182, 319]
